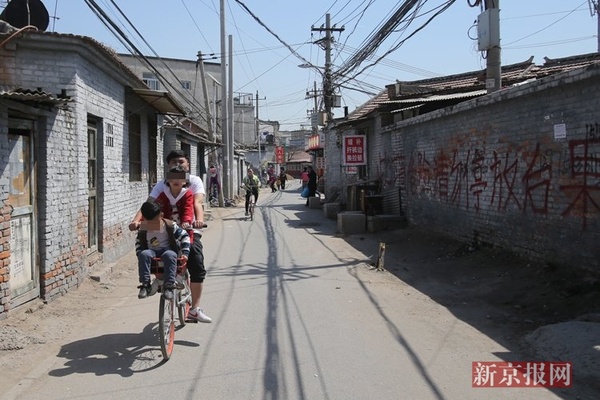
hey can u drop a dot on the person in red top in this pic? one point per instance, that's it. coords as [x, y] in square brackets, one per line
[304, 177]
[176, 200]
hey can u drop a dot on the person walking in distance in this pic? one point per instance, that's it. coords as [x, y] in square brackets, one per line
[312, 184]
[304, 177]
[251, 184]
[282, 178]
[196, 258]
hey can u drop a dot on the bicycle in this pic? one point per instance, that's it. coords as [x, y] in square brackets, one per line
[251, 203]
[182, 300]
[251, 208]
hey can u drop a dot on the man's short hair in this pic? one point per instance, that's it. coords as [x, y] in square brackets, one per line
[150, 209]
[177, 154]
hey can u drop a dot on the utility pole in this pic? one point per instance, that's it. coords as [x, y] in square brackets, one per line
[258, 136]
[232, 171]
[327, 83]
[494, 65]
[211, 134]
[595, 10]
[313, 95]
[224, 116]
[212, 157]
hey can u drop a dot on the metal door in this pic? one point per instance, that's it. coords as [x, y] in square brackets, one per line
[24, 273]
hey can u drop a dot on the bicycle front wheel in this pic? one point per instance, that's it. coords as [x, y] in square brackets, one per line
[251, 212]
[184, 299]
[166, 326]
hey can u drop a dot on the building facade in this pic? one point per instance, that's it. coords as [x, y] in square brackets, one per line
[80, 148]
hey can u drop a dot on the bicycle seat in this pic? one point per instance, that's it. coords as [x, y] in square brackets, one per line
[157, 266]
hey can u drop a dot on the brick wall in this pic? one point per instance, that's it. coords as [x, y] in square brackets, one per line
[61, 145]
[492, 170]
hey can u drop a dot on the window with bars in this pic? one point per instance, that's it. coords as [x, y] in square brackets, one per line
[92, 183]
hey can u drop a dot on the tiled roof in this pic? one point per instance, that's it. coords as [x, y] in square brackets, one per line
[36, 96]
[368, 107]
[465, 85]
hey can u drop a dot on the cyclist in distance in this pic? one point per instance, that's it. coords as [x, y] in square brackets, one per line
[251, 184]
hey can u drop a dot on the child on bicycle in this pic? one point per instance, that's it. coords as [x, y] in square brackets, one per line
[251, 184]
[177, 201]
[159, 237]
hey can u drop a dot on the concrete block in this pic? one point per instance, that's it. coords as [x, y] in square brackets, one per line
[314, 202]
[351, 222]
[331, 210]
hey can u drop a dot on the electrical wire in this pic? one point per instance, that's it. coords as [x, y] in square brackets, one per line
[123, 38]
[546, 27]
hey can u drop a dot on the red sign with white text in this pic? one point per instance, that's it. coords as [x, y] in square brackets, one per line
[501, 374]
[354, 150]
[279, 155]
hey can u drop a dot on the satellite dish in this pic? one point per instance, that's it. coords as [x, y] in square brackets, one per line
[20, 13]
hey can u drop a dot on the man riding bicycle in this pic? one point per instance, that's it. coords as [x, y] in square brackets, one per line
[251, 184]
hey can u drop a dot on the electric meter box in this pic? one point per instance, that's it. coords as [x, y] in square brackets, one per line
[488, 29]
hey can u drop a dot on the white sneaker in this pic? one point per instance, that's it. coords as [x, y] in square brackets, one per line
[197, 314]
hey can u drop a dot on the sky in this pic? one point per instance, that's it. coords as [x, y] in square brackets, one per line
[261, 63]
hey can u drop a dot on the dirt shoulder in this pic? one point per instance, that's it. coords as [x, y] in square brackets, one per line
[34, 331]
[542, 311]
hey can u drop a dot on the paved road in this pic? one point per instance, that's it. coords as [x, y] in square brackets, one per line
[298, 314]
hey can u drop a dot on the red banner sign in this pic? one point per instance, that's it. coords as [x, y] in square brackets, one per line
[354, 150]
[279, 159]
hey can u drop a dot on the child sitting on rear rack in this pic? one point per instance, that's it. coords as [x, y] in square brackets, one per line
[159, 237]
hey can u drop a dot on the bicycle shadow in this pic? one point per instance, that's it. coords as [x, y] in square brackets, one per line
[119, 354]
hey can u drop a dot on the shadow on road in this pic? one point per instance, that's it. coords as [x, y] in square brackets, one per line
[119, 354]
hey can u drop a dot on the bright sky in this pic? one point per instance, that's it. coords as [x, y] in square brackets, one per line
[181, 28]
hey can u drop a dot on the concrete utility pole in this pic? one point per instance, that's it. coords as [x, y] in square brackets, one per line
[231, 141]
[211, 133]
[224, 117]
[212, 156]
[494, 65]
[327, 83]
[595, 10]
[258, 136]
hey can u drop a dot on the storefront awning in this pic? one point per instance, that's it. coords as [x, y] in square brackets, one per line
[163, 102]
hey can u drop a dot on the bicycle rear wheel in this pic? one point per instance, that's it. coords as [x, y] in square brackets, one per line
[166, 326]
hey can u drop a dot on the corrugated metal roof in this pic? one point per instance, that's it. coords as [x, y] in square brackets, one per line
[408, 108]
[29, 95]
[438, 97]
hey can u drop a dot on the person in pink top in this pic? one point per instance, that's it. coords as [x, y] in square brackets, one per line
[304, 177]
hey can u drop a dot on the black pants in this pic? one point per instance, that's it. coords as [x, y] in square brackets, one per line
[196, 260]
[250, 193]
[312, 190]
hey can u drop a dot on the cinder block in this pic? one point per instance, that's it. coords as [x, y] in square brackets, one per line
[351, 222]
[331, 210]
